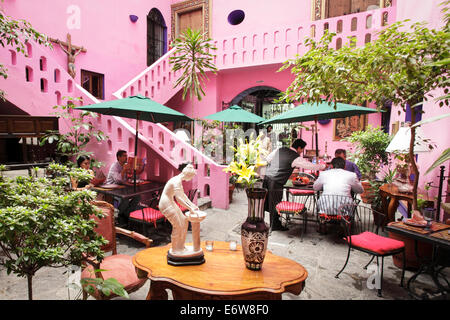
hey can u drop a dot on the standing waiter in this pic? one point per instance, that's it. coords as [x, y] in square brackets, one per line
[281, 164]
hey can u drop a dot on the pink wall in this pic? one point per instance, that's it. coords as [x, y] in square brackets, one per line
[259, 15]
[116, 47]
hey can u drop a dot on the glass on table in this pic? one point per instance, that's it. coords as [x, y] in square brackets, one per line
[428, 215]
[209, 244]
[233, 245]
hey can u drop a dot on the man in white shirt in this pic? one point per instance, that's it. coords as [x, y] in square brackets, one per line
[337, 186]
[118, 175]
[281, 164]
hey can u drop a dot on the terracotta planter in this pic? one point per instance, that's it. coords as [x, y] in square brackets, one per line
[254, 231]
[424, 250]
[231, 190]
[367, 196]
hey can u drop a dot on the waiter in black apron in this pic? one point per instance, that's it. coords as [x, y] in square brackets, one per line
[281, 164]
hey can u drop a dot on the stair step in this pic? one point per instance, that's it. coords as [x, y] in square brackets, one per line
[204, 203]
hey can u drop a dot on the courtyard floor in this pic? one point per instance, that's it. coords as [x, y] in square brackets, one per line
[321, 255]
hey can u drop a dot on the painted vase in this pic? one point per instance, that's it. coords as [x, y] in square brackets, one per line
[255, 231]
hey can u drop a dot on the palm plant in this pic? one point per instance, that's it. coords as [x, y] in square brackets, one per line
[193, 56]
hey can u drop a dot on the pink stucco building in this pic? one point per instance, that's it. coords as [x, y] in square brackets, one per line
[127, 49]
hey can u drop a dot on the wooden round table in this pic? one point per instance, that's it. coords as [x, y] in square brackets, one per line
[222, 276]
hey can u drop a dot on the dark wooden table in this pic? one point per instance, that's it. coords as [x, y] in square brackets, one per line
[125, 191]
[439, 237]
[222, 276]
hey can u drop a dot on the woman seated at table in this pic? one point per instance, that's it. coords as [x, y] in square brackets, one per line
[83, 162]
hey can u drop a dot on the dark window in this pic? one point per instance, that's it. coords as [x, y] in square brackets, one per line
[156, 36]
[236, 17]
[94, 83]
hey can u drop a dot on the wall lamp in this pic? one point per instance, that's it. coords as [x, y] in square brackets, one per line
[133, 18]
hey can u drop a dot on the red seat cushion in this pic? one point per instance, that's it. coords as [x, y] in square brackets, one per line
[301, 192]
[290, 207]
[329, 217]
[376, 243]
[119, 267]
[150, 215]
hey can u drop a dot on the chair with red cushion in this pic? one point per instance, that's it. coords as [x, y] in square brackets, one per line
[361, 233]
[117, 266]
[148, 214]
[290, 208]
[327, 209]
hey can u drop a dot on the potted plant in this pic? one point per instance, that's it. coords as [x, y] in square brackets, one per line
[254, 231]
[370, 155]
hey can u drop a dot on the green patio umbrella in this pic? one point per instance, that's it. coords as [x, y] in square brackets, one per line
[140, 108]
[235, 114]
[318, 111]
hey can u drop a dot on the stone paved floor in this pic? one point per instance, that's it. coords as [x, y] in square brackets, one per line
[321, 255]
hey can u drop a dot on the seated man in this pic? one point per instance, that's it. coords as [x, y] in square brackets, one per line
[118, 175]
[349, 166]
[337, 185]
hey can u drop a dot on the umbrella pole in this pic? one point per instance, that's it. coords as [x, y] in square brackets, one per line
[135, 150]
[317, 140]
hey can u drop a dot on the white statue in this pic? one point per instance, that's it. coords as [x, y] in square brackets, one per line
[179, 254]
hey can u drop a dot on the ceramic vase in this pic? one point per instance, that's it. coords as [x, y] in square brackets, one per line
[255, 231]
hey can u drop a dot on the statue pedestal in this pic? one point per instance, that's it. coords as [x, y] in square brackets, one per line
[193, 258]
[192, 255]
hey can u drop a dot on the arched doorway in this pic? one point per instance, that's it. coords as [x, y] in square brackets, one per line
[260, 100]
[156, 36]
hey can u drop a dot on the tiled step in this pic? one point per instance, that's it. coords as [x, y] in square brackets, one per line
[204, 203]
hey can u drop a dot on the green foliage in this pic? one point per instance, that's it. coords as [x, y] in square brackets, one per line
[444, 157]
[193, 56]
[399, 65]
[375, 188]
[17, 33]
[44, 224]
[81, 131]
[370, 150]
[106, 286]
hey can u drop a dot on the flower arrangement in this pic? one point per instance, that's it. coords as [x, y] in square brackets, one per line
[247, 159]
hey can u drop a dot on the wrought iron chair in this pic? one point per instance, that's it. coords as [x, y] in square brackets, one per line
[361, 233]
[117, 266]
[327, 209]
[148, 214]
[304, 196]
[288, 209]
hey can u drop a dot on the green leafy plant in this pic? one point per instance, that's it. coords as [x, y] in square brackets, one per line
[42, 223]
[82, 130]
[370, 150]
[396, 66]
[193, 56]
[106, 286]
